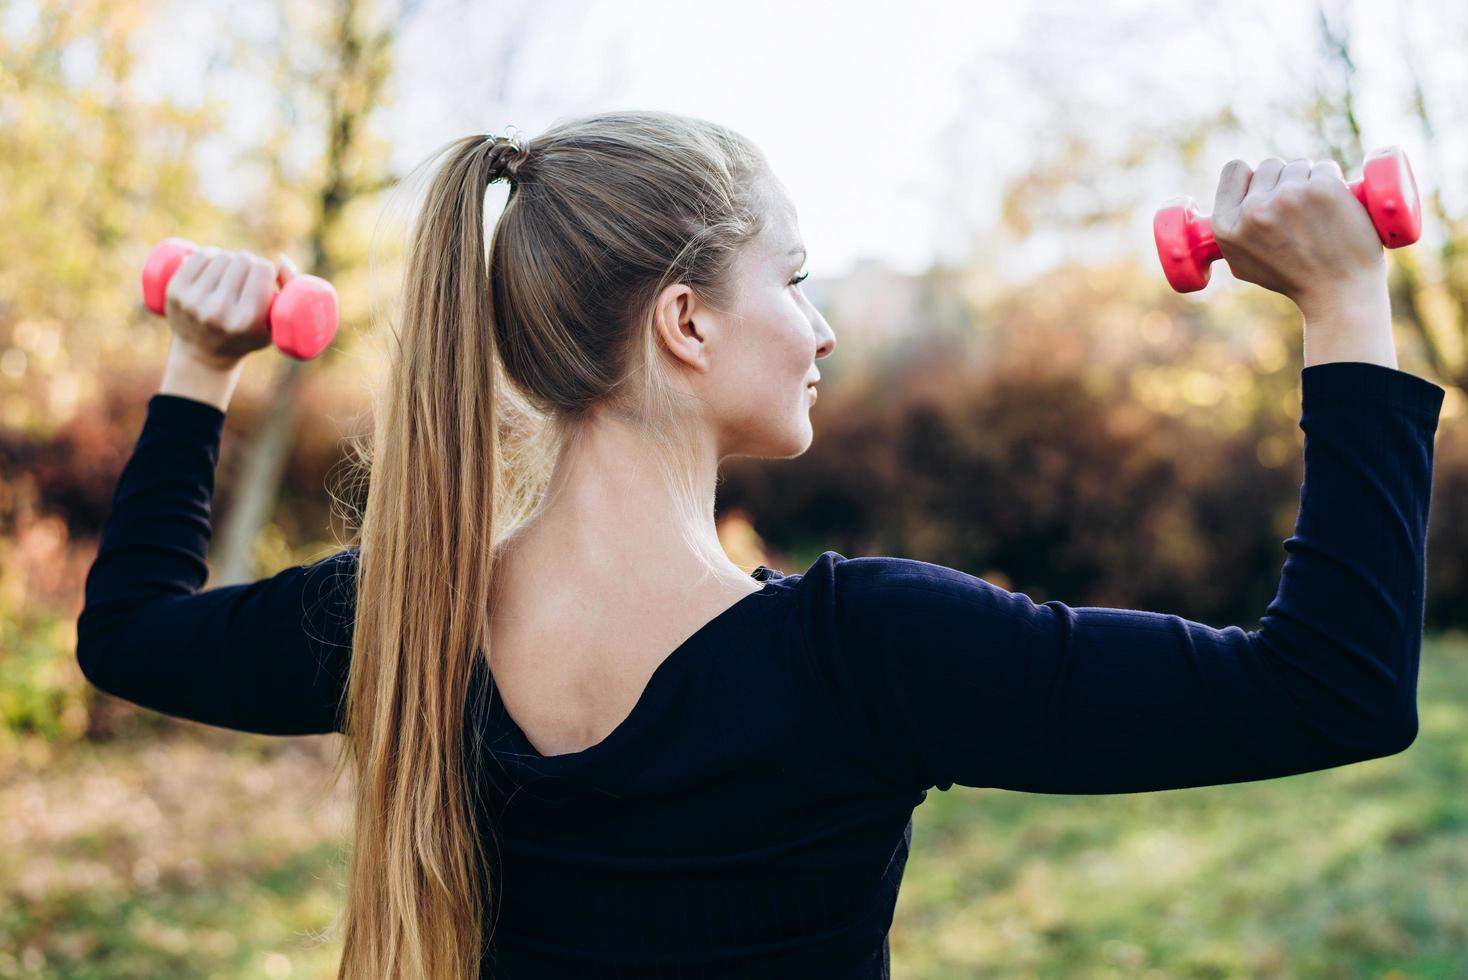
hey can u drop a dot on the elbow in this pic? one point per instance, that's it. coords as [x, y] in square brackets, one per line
[86, 659]
[89, 651]
[1401, 734]
[1399, 708]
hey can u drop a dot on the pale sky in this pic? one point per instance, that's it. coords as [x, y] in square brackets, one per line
[854, 101]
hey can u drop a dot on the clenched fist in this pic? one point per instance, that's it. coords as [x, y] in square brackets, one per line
[1296, 229]
[218, 303]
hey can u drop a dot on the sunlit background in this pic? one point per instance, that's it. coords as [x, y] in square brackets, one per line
[1016, 393]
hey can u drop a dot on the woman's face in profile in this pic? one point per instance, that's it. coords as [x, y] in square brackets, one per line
[766, 356]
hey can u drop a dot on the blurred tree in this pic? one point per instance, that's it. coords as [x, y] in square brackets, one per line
[91, 169]
[347, 65]
[347, 62]
[96, 170]
[1428, 303]
[1452, 281]
[1087, 181]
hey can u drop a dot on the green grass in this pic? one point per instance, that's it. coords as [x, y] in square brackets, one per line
[208, 854]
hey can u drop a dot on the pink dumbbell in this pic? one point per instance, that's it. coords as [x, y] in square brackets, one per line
[302, 314]
[1386, 189]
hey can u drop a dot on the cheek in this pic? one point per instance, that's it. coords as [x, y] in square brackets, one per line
[785, 365]
[774, 337]
[792, 342]
[776, 351]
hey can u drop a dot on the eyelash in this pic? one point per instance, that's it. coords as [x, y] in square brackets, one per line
[800, 279]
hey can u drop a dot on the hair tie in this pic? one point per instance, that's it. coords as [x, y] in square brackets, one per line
[507, 154]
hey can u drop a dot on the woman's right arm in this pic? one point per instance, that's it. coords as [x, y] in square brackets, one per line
[941, 677]
[269, 656]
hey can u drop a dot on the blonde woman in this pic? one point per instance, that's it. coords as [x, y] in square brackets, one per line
[588, 745]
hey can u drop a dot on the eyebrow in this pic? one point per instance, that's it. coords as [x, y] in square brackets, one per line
[797, 250]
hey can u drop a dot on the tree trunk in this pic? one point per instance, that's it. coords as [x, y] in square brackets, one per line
[260, 487]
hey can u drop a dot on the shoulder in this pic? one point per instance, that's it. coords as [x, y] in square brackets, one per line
[328, 590]
[864, 617]
[335, 572]
[887, 640]
[852, 594]
[875, 627]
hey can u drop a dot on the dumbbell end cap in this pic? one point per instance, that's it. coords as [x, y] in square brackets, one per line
[304, 317]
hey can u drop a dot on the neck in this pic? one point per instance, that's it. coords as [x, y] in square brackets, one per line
[607, 513]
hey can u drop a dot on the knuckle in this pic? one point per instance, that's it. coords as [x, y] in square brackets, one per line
[1290, 196]
[1318, 189]
[1260, 216]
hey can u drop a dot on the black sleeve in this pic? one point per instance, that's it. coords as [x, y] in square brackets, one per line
[269, 656]
[947, 678]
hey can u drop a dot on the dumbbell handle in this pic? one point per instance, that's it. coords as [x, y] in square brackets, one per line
[302, 314]
[1387, 190]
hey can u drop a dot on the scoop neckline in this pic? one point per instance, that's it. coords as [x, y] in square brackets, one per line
[653, 692]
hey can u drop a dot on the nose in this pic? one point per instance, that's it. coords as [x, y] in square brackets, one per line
[825, 337]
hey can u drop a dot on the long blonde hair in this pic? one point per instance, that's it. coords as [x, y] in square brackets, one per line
[500, 362]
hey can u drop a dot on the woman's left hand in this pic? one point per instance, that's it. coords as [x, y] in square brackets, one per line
[217, 303]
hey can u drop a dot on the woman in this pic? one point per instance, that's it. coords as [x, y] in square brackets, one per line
[586, 743]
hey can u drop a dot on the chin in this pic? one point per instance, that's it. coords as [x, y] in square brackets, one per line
[798, 441]
[792, 438]
[783, 445]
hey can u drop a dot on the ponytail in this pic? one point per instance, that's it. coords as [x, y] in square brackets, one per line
[417, 892]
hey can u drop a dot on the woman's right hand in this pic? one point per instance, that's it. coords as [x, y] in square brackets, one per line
[217, 303]
[1296, 229]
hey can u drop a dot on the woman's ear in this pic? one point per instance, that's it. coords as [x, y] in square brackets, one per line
[673, 319]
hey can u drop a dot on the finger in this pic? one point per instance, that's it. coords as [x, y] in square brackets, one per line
[1294, 172]
[189, 269]
[1266, 175]
[213, 272]
[260, 283]
[288, 270]
[1232, 184]
[234, 278]
[1326, 170]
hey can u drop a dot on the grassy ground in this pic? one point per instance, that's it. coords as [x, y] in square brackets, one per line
[215, 855]
[206, 855]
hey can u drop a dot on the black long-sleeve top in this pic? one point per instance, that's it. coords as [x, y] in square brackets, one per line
[752, 814]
